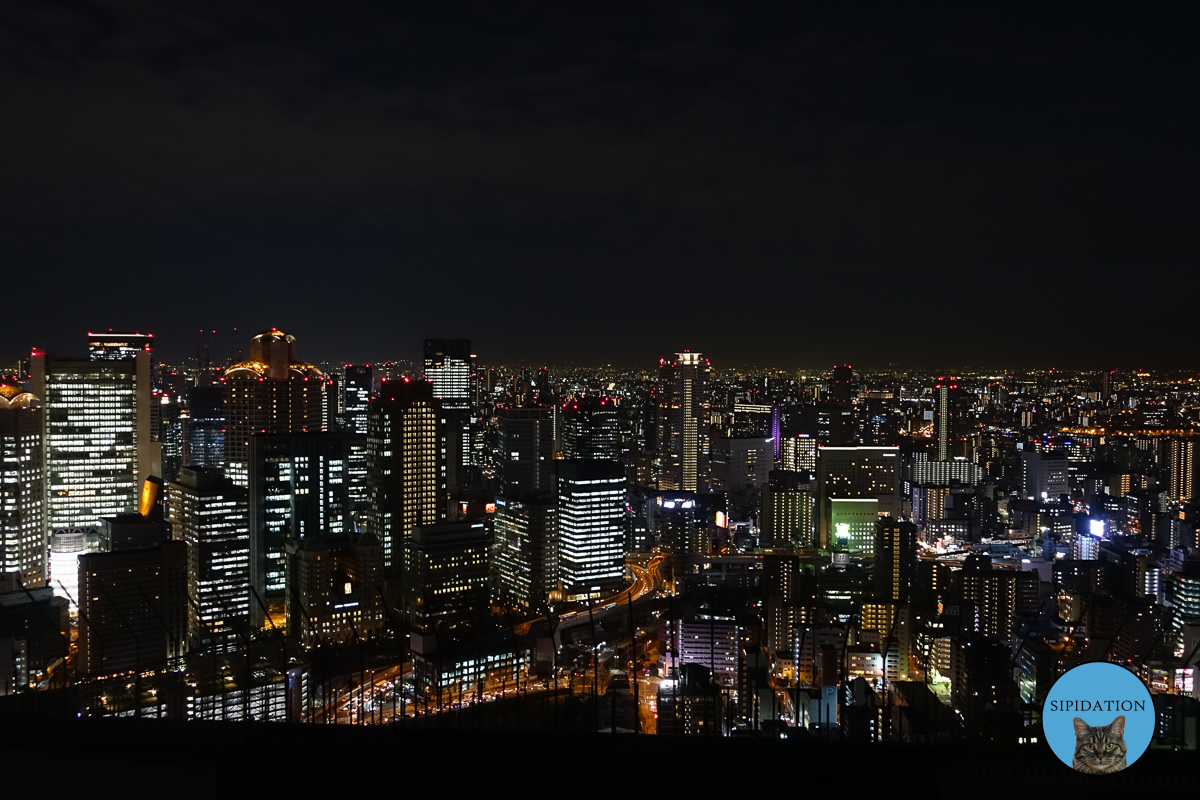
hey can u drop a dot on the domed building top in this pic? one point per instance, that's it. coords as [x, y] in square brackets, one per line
[16, 397]
[273, 355]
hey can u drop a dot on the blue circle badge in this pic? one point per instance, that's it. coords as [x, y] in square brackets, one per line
[1098, 718]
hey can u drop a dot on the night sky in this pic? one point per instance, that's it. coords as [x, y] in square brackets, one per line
[591, 183]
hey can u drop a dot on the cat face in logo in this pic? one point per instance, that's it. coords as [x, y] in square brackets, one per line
[1100, 750]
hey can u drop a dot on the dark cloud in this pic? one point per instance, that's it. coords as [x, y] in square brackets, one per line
[561, 182]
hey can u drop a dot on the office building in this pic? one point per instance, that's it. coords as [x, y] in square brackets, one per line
[895, 560]
[855, 475]
[591, 429]
[211, 515]
[525, 442]
[683, 423]
[204, 428]
[704, 638]
[526, 549]
[298, 488]
[97, 448]
[852, 522]
[22, 488]
[789, 510]
[684, 531]
[118, 346]
[335, 589]
[740, 468]
[449, 574]
[798, 453]
[271, 392]
[356, 400]
[1045, 476]
[134, 603]
[406, 466]
[591, 527]
[448, 364]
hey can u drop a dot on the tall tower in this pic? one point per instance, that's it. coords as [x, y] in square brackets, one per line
[298, 489]
[895, 560]
[448, 367]
[22, 494]
[272, 392]
[591, 527]
[941, 418]
[211, 515]
[1181, 455]
[96, 442]
[406, 467]
[683, 435]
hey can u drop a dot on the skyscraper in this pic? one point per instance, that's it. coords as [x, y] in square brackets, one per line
[448, 366]
[895, 560]
[525, 443]
[526, 549]
[591, 527]
[941, 420]
[591, 429]
[22, 489]
[406, 466]
[211, 515]
[204, 430]
[272, 392]
[96, 442]
[449, 577]
[683, 425]
[1181, 468]
[135, 606]
[298, 489]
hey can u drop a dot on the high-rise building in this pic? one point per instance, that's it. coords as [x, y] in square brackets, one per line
[683, 423]
[591, 527]
[118, 346]
[356, 397]
[1045, 476]
[356, 400]
[298, 488]
[525, 442]
[135, 606]
[211, 515]
[449, 579]
[335, 588]
[798, 453]
[1181, 468]
[97, 447]
[526, 549]
[789, 510]
[22, 489]
[855, 475]
[841, 384]
[942, 418]
[591, 429]
[895, 560]
[406, 466]
[204, 430]
[271, 392]
[448, 366]
[740, 467]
